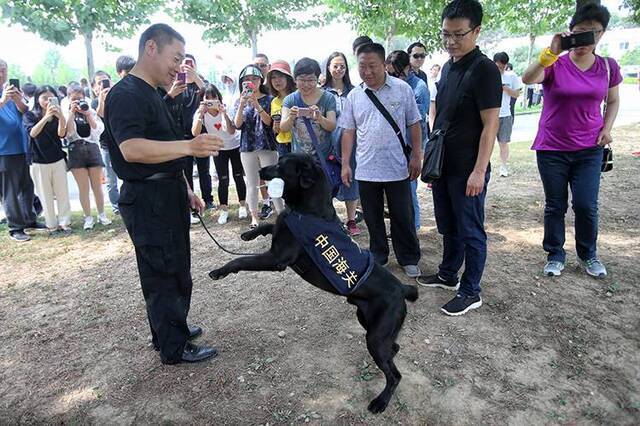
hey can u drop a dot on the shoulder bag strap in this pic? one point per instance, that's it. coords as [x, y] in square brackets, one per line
[385, 113]
[464, 81]
[606, 98]
[312, 134]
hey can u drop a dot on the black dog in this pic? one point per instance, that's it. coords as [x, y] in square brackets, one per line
[380, 298]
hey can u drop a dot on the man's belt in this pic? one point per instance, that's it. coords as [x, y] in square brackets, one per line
[165, 175]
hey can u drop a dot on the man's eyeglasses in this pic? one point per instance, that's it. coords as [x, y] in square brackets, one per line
[419, 56]
[456, 37]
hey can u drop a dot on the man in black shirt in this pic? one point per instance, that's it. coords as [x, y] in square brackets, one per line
[147, 152]
[472, 109]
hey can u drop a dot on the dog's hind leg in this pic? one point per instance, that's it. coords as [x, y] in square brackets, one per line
[261, 262]
[381, 342]
[262, 230]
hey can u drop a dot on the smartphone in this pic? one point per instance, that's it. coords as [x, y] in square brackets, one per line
[54, 101]
[182, 77]
[577, 40]
[189, 61]
[105, 83]
[305, 112]
[15, 83]
[247, 87]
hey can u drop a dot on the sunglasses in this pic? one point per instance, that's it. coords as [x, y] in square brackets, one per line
[419, 56]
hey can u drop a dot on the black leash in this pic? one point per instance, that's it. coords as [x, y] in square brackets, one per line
[195, 212]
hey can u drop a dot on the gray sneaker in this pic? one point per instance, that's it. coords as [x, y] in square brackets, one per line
[594, 267]
[412, 271]
[553, 268]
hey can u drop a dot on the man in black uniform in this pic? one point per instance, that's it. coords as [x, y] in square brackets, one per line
[147, 153]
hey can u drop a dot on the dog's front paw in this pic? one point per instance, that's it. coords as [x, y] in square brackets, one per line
[216, 274]
[247, 236]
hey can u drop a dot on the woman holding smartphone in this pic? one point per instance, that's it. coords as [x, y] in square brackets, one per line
[46, 126]
[572, 134]
[257, 142]
[319, 106]
[212, 117]
[280, 83]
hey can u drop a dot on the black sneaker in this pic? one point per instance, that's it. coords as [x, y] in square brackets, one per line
[209, 205]
[461, 304]
[19, 236]
[436, 282]
[265, 212]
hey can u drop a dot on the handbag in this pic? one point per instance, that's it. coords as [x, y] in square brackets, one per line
[607, 152]
[331, 166]
[406, 149]
[434, 151]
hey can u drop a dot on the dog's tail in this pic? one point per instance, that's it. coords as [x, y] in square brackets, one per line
[410, 292]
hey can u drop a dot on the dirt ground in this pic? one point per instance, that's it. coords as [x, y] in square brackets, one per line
[566, 350]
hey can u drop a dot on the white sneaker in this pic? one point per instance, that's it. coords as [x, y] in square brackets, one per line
[103, 219]
[224, 216]
[88, 223]
[242, 212]
[504, 171]
[194, 219]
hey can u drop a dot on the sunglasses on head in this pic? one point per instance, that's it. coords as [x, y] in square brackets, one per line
[419, 56]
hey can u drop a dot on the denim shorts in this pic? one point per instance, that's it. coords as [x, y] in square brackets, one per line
[84, 155]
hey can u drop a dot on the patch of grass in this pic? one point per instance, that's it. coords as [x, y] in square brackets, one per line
[442, 382]
[554, 416]
[281, 416]
[366, 372]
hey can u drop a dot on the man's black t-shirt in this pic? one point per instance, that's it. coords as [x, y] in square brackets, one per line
[47, 146]
[134, 109]
[183, 107]
[483, 91]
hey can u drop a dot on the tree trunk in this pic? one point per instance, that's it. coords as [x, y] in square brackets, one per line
[88, 38]
[253, 38]
[532, 42]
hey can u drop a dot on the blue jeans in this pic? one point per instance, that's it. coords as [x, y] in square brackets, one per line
[579, 171]
[112, 179]
[460, 221]
[416, 205]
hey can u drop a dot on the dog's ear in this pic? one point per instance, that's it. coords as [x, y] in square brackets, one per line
[306, 174]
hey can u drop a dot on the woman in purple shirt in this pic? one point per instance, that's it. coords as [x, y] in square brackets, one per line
[571, 136]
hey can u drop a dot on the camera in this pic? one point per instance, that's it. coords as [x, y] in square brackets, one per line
[83, 105]
[212, 104]
[305, 112]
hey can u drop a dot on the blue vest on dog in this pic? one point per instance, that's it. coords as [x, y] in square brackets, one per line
[338, 257]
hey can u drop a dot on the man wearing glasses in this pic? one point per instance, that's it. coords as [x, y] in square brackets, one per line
[417, 54]
[262, 61]
[471, 111]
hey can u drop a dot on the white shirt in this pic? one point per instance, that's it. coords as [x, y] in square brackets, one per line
[217, 126]
[511, 80]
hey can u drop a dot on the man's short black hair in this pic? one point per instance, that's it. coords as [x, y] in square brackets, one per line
[125, 63]
[415, 44]
[591, 12]
[306, 66]
[100, 73]
[376, 48]
[262, 55]
[359, 41]
[190, 56]
[162, 34]
[501, 57]
[29, 89]
[470, 9]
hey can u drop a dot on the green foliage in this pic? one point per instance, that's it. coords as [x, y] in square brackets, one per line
[631, 57]
[15, 71]
[54, 70]
[519, 58]
[61, 21]
[241, 22]
[532, 17]
[634, 8]
[414, 19]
